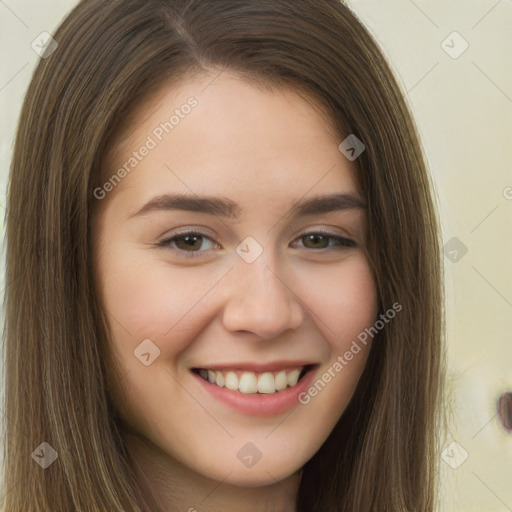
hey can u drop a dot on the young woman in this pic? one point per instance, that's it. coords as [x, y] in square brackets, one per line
[223, 268]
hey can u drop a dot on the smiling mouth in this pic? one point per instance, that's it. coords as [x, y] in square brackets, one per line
[251, 383]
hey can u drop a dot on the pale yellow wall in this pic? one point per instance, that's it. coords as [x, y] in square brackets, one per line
[463, 107]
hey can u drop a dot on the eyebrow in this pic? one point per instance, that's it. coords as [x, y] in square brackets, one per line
[227, 208]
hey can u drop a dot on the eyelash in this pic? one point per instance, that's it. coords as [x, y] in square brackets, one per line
[341, 242]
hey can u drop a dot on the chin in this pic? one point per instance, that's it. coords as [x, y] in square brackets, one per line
[252, 477]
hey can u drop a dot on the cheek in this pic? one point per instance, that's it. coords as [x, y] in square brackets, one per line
[343, 300]
[145, 299]
[345, 305]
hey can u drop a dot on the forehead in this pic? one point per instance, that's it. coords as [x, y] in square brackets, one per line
[222, 135]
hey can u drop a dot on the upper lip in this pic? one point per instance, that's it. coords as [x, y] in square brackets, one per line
[253, 367]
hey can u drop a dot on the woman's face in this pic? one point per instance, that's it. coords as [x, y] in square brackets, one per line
[241, 272]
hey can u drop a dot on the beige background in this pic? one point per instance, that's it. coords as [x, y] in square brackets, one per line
[463, 107]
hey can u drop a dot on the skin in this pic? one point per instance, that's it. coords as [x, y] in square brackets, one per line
[264, 150]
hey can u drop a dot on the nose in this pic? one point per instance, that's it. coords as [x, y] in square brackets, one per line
[260, 300]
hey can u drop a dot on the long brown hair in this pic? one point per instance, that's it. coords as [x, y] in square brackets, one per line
[112, 55]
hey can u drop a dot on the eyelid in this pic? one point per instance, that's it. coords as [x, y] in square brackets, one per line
[166, 240]
[328, 234]
[328, 231]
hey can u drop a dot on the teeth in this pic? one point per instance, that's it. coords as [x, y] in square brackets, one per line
[293, 377]
[266, 383]
[248, 383]
[231, 381]
[281, 381]
[219, 379]
[251, 382]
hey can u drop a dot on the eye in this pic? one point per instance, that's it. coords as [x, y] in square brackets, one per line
[191, 244]
[321, 240]
[188, 244]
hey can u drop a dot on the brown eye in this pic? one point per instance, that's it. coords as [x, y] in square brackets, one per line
[189, 244]
[322, 241]
[315, 241]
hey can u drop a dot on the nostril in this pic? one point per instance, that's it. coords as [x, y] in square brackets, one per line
[504, 406]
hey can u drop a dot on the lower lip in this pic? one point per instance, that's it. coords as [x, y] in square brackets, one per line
[261, 405]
